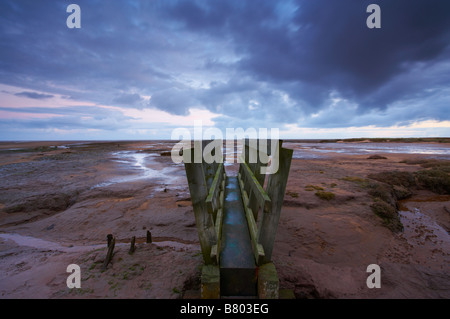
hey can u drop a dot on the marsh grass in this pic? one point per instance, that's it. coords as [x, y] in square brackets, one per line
[311, 188]
[325, 195]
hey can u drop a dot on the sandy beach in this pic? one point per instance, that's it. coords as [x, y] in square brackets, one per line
[347, 205]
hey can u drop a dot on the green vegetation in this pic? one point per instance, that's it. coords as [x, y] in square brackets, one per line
[325, 195]
[383, 192]
[385, 195]
[362, 182]
[311, 188]
[292, 194]
[82, 291]
[385, 203]
[392, 186]
[175, 290]
[405, 179]
[435, 180]
[389, 215]
[376, 157]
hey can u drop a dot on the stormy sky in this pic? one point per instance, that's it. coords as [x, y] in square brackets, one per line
[139, 69]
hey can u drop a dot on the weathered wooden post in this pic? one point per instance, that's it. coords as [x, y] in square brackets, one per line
[149, 237]
[109, 254]
[132, 245]
[276, 187]
[109, 238]
[198, 188]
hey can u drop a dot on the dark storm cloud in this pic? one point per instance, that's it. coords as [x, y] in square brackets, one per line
[311, 49]
[333, 49]
[311, 63]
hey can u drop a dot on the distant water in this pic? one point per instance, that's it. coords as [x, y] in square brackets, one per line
[140, 163]
[320, 150]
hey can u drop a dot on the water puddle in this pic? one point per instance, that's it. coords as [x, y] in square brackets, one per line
[318, 150]
[38, 243]
[140, 164]
[423, 231]
[46, 245]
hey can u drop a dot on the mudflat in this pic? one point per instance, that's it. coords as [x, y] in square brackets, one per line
[347, 205]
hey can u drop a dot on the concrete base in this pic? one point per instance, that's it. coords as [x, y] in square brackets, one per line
[268, 282]
[210, 282]
[287, 294]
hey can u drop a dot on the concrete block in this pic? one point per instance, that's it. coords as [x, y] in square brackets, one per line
[286, 294]
[268, 282]
[210, 282]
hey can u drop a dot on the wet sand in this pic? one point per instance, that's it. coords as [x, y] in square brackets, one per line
[58, 201]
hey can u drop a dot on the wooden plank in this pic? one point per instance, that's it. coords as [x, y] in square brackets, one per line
[215, 250]
[254, 185]
[237, 261]
[212, 199]
[276, 187]
[258, 249]
[218, 225]
[222, 192]
[198, 190]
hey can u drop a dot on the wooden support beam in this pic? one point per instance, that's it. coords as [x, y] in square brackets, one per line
[258, 249]
[249, 179]
[276, 187]
[212, 201]
[199, 191]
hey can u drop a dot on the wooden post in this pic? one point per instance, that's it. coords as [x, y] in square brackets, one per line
[276, 187]
[109, 254]
[199, 191]
[109, 238]
[262, 151]
[149, 237]
[133, 245]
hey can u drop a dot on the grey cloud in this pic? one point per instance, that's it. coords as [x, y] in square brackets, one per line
[290, 56]
[129, 99]
[34, 95]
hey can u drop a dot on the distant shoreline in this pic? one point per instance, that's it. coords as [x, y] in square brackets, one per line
[338, 140]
